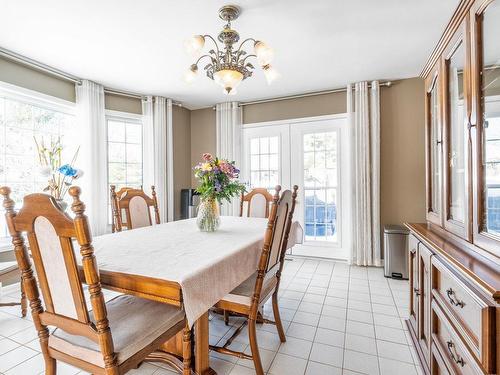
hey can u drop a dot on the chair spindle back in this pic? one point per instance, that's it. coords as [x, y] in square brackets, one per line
[134, 206]
[256, 203]
[50, 233]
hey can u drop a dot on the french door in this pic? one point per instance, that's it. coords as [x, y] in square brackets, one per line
[313, 155]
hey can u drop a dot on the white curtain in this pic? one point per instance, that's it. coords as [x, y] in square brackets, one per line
[163, 156]
[148, 159]
[363, 107]
[228, 134]
[91, 121]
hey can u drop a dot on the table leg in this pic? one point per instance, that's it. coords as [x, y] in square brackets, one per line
[201, 333]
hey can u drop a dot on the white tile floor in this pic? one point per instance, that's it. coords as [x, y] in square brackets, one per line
[338, 320]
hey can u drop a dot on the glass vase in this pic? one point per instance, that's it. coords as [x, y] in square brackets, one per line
[208, 219]
[62, 204]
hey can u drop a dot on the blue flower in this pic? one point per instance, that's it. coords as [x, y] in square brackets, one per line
[68, 171]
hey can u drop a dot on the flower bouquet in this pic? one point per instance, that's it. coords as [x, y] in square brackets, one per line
[218, 182]
[60, 176]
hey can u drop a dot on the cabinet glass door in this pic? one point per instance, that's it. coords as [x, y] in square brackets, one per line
[434, 151]
[487, 87]
[456, 149]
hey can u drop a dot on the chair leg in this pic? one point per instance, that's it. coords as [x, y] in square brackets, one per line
[24, 304]
[252, 335]
[226, 317]
[50, 366]
[277, 318]
[186, 351]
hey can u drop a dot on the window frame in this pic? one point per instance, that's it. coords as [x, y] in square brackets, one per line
[123, 117]
[37, 99]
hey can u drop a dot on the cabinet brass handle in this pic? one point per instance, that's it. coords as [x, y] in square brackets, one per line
[453, 300]
[453, 354]
[417, 291]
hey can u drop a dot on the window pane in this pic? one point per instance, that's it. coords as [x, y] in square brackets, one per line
[264, 162]
[435, 151]
[116, 131]
[264, 145]
[116, 152]
[254, 146]
[18, 114]
[320, 177]
[491, 121]
[456, 157]
[124, 153]
[134, 133]
[20, 123]
[117, 173]
[134, 153]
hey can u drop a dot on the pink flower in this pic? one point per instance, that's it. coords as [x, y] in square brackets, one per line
[207, 156]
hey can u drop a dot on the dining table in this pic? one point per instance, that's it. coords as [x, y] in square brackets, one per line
[178, 264]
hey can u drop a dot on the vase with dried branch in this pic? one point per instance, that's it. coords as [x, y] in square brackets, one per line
[60, 177]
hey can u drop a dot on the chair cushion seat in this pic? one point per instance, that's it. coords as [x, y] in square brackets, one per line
[243, 293]
[134, 322]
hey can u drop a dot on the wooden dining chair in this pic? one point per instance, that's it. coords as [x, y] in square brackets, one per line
[112, 338]
[131, 208]
[256, 203]
[10, 274]
[246, 299]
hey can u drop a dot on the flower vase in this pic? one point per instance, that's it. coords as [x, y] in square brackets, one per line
[62, 204]
[208, 219]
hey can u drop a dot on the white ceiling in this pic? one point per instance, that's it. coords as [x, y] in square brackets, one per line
[138, 45]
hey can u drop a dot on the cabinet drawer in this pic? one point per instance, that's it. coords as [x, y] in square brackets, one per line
[472, 316]
[451, 347]
[438, 366]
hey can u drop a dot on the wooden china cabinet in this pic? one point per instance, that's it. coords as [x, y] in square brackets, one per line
[454, 317]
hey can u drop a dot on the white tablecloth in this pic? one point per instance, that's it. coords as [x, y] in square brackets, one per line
[206, 265]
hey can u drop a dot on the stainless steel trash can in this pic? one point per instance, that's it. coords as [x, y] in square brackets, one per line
[395, 251]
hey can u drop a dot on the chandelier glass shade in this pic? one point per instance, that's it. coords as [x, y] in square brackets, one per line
[228, 65]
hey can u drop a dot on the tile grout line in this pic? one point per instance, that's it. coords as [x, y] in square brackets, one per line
[373, 320]
[309, 283]
[321, 313]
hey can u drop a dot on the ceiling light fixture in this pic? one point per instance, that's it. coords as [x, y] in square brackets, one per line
[228, 66]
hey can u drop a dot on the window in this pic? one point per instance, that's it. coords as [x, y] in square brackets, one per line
[320, 185]
[124, 150]
[25, 115]
[492, 164]
[264, 162]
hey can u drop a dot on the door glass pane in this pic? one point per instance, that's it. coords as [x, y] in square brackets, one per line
[490, 97]
[435, 148]
[456, 139]
[264, 162]
[320, 186]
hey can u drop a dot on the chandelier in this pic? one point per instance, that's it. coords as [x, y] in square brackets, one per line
[228, 65]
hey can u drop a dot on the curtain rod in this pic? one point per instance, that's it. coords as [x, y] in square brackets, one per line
[305, 95]
[38, 65]
[18, 58]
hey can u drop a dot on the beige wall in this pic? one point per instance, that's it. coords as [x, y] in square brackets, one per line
[32, 79]
[402, 158]
[317, 105]
[123, 103]
[181, 123]
[202, 135]
[402, 140]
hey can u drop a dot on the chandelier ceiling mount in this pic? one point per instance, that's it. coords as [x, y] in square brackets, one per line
[228, 65]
